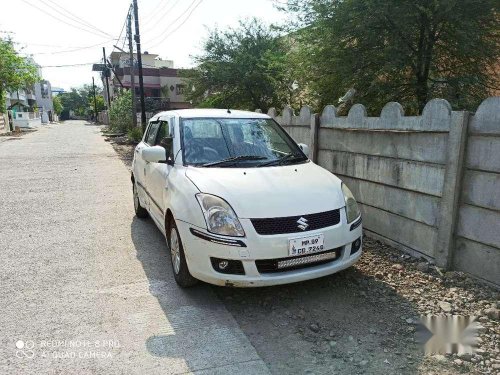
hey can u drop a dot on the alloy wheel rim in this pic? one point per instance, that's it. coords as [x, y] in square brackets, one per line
[175, 250]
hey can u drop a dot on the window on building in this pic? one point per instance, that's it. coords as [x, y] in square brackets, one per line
[45, 90]
[179, 89]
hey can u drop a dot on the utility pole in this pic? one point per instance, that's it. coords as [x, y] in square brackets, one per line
[106, 74]
[139, 63]
[132, 68]
[95, 100]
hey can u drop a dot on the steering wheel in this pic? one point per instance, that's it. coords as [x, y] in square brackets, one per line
[196, 152]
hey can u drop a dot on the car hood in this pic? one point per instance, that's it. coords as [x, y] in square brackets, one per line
[272, 191]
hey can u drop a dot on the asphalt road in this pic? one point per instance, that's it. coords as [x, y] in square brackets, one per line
[84, 286]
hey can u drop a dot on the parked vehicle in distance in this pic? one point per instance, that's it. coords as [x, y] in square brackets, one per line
[239, 202]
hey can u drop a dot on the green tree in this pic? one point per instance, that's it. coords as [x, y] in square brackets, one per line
[120, 117]
[400, 50]
[81, 100]
[243, 68]
[58, 107]
[16, 72]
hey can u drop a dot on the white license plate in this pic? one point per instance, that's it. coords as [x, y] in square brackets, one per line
[306, 245]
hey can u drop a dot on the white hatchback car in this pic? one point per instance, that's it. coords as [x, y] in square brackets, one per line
[239, 202]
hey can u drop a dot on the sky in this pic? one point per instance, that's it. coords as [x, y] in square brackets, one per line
[173, 29]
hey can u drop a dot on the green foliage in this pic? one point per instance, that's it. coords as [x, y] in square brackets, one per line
[399, 50]
[135, 134]
[101, 104]
[241, 68]
[16, 72]
[120, 113]
[81, 100]
[58, 107]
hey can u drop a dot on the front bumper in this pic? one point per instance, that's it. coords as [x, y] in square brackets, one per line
[198, 252]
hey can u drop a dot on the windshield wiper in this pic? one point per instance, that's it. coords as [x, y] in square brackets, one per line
[287, 158]
[234, 159]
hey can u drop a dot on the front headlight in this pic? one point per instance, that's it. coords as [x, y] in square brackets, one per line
[351, 206]
[219, 216]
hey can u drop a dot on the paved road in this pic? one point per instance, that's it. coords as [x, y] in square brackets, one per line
[85, 286]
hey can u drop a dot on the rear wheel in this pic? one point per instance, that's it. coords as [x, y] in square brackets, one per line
[181, 272]
[140, 211]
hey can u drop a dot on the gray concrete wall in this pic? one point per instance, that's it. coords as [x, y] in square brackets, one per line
[478, 230]
[427, 184]
[4, 123]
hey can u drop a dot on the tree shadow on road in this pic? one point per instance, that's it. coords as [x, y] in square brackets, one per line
[198, 331]
[347, 323]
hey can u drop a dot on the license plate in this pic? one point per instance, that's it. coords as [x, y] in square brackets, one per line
[306, 245]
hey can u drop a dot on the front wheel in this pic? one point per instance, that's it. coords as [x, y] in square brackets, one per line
[181, 272]
[140, 211]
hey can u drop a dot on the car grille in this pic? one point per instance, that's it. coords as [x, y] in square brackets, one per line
[303, 261]
[282, 225]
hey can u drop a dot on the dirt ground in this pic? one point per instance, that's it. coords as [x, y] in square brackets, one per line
[363, 320]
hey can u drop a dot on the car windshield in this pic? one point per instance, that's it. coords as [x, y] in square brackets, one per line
[225, 142]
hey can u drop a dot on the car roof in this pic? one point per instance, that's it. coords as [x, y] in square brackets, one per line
[202, 112]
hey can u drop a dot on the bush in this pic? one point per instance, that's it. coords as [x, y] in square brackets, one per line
[120, 117]
[135, 134]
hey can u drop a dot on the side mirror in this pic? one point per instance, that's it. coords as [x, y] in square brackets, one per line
[304, 148]
[154, 154]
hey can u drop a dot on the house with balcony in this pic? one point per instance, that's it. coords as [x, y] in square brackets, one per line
[163, 88]
[35, 102]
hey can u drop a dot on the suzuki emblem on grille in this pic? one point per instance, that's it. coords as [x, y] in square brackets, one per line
[302, 223]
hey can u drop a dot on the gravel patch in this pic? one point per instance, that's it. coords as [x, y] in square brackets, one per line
[363, 320]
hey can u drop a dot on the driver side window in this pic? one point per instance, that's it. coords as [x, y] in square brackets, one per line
[163, 139]
[152, 132]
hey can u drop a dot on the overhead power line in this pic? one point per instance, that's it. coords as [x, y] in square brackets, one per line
[153, 12]
[66, 65]
[161, 17]
[180, 25]
[77, 18]
[121, 32]
[50, 45]
[72, 50]
[61, 20]
[70, 16]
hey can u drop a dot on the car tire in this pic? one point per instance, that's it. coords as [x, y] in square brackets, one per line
[140, 211]
[182, 275]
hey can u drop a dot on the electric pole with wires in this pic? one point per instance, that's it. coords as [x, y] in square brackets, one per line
[139, 63]
[106, 75]
[132, 67]
[95, 100]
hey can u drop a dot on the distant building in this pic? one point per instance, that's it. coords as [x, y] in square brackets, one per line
[163, 88]
[37, 98]
[57, 90]
[43, 95]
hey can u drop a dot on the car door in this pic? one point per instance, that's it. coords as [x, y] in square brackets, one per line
[157, 173]
[140, 165]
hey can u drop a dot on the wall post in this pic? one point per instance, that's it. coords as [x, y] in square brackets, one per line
[452, 186]
[313, 149]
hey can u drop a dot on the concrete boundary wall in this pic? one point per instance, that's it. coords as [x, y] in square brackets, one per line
[4, 123]
[428, 184]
